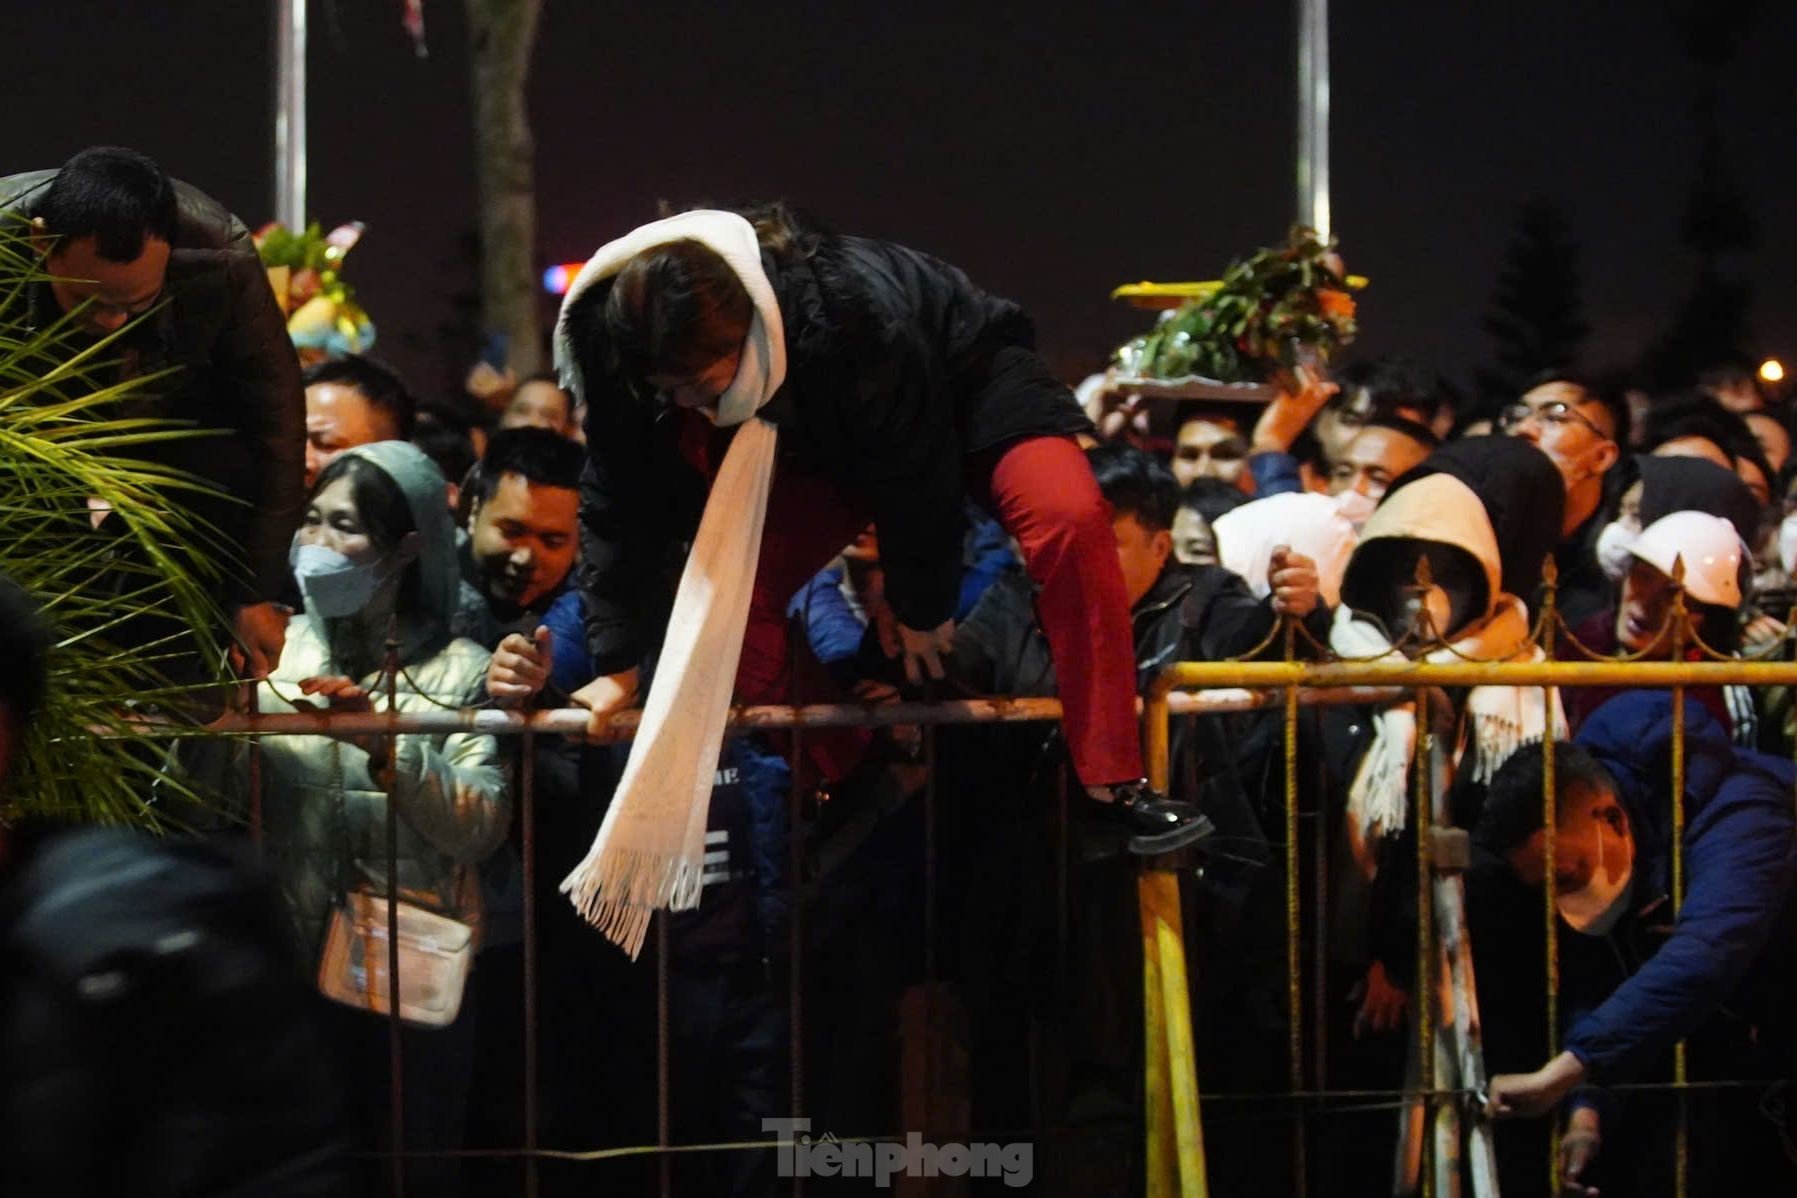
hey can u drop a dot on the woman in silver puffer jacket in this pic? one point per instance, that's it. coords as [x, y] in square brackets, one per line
[374, 557]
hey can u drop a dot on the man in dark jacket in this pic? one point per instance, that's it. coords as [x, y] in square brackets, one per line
[1178, 613]
[128, 244]
[1632, 986]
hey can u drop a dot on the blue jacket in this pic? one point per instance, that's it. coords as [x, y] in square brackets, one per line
[1739, 872]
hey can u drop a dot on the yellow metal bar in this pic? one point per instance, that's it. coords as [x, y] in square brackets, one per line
[1159, 892]
[1681, 1152]
[1157, 1077]
[1682, 1146]
[1153, 293]
[1175, 1147]
[1155, 742]
[1550, 815]
[1294, 974]
[1632, 674]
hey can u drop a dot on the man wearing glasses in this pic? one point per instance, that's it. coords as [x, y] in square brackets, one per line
[1579, 426]
[176, 277]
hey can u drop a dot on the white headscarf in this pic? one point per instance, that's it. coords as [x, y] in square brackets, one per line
[650, 851]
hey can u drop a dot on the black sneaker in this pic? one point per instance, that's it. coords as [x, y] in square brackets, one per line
[1153, 823]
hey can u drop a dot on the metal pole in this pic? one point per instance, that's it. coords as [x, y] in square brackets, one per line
[290, 113]
[1294, 972]
[1313, 115]
[527, 798]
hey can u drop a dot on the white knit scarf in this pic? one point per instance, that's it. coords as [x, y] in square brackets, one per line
[1502, 718]
[650, 851]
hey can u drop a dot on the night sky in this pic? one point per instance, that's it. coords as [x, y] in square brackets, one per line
[1051, 150]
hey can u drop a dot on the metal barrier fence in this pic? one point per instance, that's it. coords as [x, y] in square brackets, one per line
[1174, 1150]
[1174, 1147]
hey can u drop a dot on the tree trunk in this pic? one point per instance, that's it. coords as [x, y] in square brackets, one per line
[501, 34]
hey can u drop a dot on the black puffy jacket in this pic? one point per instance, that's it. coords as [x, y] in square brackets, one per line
[898, 369]
[237, 374]
[157, 1034]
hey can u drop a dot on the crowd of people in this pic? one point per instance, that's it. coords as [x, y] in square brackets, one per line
[939, 517]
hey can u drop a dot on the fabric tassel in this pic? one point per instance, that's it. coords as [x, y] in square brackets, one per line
[1502, 718]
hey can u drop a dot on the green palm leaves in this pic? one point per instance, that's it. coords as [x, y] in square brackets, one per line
[125, 602]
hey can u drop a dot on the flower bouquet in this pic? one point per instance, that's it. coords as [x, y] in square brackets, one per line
[305, 270]
[1276, 310]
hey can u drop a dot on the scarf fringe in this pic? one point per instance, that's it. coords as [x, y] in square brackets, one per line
[618, 889]
[1502, 718]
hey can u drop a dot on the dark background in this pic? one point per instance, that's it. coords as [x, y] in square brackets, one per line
[1053, 151]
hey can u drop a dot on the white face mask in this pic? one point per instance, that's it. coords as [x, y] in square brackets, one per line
[1355, 507]
[1787, 544]
[1597, 908]
[1613, 545]
[332, 585]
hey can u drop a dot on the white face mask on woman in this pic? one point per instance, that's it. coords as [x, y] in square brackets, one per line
[332, 585]
[1613, 545]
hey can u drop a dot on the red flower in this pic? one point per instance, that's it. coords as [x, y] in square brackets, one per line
[1338, 305]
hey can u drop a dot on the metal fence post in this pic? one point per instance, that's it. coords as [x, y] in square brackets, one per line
[1681, 1161]
[1294, 971]
[1174, 1126]
[527, 815]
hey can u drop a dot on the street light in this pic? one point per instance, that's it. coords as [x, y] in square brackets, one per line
[1772, 371]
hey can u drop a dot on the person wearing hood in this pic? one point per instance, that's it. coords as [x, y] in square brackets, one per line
[711, 344]
[1482, 514]
[375, 558]
[1581, 424]
[1631, 988]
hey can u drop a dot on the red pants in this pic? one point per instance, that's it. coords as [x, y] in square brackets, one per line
[1043, 494]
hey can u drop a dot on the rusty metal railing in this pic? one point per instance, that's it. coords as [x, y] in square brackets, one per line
[1421, 678]
[1175, 1149]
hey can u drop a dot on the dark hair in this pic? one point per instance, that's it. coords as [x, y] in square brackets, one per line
[1694, 414]
[1606, 389]
[441, 433]
[116, 196]
[1513, 810]
[1136, 483]
[381, 506]
[25, 647]
[786, 234]
[544, 458]
[1422, 434]
[381, 387]
[1730, 372]
[675, 310]
[1211, 498]
[1395, 382]
[1189, 411]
